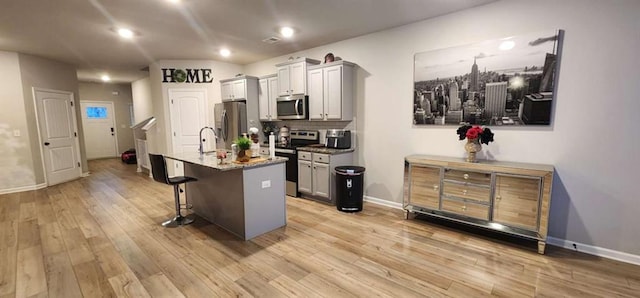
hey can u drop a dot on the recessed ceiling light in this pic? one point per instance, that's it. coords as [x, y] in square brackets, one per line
[105, 78]
[125, 33]
[286, 32]
[174, 1]
[507, 45]
[225, 52]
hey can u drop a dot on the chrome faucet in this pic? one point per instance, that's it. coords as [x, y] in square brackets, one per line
[201, 149]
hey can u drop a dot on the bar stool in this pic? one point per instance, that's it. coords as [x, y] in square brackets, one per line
[159, 172]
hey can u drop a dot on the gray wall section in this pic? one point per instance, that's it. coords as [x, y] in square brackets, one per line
[141, 95]
[121, 102]
[16, 163]
[43, 73]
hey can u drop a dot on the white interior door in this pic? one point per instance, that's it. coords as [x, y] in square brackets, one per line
[188, 116]
[99, 125]
[58, 135]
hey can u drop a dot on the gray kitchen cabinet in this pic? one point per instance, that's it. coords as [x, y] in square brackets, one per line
[321, 178]
[315, 177]
[330, 89]
[292, 76]
[305, 175]
[240, 88]
[267, 95]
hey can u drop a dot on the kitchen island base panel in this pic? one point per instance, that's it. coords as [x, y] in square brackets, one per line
[264, 199]
[236, 200]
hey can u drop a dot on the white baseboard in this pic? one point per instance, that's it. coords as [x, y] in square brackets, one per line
[595, 250]
[85, 174]
[23, 188]
[374, 200]
[581, 247]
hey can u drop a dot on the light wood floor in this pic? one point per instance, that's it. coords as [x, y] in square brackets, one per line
[101, 236]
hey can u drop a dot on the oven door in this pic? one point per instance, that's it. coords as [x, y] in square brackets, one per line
[291, 170]
[292, 107]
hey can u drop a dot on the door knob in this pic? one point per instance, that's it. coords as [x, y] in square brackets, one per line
[47, 143]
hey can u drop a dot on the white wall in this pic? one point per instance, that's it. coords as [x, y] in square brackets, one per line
[16, 166]
[594, 139]
[160, 138]
[141, 93]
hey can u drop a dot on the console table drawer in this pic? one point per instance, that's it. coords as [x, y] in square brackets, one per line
[467, 177]
[482, 194]
[466, 209]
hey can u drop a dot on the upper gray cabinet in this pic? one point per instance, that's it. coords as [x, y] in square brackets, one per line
[267, 94]
[239, 88]
[331, 89]
[292, 76]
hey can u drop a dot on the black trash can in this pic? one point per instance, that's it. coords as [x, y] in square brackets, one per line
[349, 188]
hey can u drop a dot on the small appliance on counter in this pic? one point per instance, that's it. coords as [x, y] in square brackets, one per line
[284, 136]
[338, 139]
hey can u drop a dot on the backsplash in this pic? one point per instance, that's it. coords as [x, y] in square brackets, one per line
[320, 126]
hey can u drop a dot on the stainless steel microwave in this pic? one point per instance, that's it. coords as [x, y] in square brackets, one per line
[292, 107]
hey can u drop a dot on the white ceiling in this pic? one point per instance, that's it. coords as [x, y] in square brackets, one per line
[81, 31]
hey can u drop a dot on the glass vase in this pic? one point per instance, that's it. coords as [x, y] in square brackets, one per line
[472, 147]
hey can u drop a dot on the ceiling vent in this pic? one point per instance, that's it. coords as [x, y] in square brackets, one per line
[271, 40]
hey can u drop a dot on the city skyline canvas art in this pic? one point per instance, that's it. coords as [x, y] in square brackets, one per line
[506, 81]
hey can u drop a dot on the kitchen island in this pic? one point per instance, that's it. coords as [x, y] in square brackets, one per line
[246, 199]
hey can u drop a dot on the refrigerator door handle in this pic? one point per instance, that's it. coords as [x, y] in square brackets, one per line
[225, 125]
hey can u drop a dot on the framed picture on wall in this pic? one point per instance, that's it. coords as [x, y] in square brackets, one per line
[506, 81]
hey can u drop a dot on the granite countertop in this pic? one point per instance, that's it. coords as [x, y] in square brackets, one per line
[325, 150]
[210, 160]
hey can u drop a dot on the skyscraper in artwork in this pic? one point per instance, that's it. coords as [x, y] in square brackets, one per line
[475, 77]
[454, 101]
[495, 99]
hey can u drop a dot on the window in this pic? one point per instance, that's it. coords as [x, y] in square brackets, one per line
[97, 112]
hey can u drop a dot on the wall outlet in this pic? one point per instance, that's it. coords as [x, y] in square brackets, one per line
[16, 132]
[266, 184]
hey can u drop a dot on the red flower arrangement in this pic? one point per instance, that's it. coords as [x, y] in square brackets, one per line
[473, 132]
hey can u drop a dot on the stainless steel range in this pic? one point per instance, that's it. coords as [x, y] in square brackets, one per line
[298, 138]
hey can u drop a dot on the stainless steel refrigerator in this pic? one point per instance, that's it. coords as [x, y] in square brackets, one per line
[230, 121]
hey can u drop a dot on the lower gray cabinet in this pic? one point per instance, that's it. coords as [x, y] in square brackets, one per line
[321, 178]
[316, 179]
[304, 176]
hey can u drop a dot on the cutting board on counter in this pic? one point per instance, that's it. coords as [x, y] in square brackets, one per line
[251, 161]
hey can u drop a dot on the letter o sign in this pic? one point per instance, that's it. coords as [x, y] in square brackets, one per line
[179, 76]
